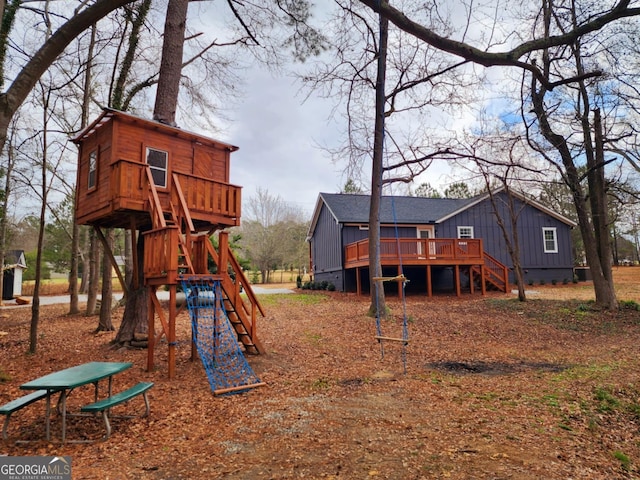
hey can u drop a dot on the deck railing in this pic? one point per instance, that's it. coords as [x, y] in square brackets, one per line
[418, 250]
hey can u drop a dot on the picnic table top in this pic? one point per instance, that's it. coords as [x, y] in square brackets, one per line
[76, 376]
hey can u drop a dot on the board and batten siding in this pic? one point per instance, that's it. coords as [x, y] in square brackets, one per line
[530, 224]
[326, 250]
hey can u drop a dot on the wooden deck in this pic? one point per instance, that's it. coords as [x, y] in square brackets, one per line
[461, 254]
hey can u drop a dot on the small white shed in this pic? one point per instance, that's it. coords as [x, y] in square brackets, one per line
[14, 264]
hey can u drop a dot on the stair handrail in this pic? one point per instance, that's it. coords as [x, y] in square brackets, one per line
[157, 217]
[182, 202]
[494, 266]
[241, 278]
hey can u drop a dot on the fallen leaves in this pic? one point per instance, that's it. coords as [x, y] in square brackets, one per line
[490, 386]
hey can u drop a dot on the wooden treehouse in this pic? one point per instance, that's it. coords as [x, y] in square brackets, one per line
[170, 188]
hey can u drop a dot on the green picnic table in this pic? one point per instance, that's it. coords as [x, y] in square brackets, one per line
[64, 381]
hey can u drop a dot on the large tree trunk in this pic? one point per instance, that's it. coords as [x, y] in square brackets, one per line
[598, 255]
[378, 305]
[599, 212]
[171, 65]
[136, 307]
[134, 319]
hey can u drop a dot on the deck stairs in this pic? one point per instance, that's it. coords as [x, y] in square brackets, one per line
[493, 273]
[175, 250]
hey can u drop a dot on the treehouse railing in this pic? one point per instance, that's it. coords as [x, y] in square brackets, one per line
[418, 251]
[204, 198]
[160, 258]
[182, 215]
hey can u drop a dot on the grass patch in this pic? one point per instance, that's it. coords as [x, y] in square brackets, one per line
[313, 338]
[625, 461]
[321, 383]
[592, 372]
[606, 401]
[267, 299]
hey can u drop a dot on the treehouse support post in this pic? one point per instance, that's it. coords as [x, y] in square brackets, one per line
[151, 335]
[172, 331]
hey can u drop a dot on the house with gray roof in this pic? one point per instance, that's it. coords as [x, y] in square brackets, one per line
[438, 244]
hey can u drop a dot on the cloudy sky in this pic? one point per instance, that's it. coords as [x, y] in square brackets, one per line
[280, 137]
[280, 140]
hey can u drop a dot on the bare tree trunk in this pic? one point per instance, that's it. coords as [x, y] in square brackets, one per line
[35, 306]
[93, 274]
[74, 308]
[85, 260]
[378, 305]
[597, 251]
[105, 324]
[3, 214]
[171, 64]
[599, 210]
[511, 239]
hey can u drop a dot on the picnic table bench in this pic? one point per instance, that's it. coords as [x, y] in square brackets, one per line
[103, 406]
[14, 405]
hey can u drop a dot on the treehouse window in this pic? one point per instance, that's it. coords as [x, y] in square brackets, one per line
[93, 170]
[157, 161]
[550, 240]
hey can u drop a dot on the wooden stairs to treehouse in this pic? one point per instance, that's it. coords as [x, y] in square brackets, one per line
[174, 250]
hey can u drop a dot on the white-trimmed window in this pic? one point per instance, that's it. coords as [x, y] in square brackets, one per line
[465, 232]
[550, 239]
[157, 161]
[93, 170]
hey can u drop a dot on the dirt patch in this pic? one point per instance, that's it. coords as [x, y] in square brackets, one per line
[493, 389]
[494, 368]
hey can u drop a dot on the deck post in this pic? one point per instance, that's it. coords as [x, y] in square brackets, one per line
[429, 286]
[482, 283]
[358, 282]
[471, 289]
[456, 279]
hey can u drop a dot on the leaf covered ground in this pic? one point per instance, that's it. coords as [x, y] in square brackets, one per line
[493, 389]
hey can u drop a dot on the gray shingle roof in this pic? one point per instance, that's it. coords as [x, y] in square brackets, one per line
[348, 208]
